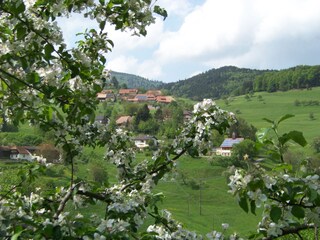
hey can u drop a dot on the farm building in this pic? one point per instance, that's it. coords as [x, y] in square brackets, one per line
[225, 148]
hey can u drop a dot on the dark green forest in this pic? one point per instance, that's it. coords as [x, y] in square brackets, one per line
[230, 80]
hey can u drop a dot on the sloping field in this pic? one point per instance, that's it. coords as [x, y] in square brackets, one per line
[274, 105]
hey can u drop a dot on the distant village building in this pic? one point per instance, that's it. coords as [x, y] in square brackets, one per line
[101, 119]
[17, 152]
[106, 95]
[142, 141]
[225, 148]
[164, 99]
[123, 121]
[154, 92]
[126, 94]
[187, 115]
[143, 98]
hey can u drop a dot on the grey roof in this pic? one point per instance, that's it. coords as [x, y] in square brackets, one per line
[144, 137]
[229, 142]
[142, 97]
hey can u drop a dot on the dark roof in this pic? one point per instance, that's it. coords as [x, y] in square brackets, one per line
[142, 97]
[100, 117]
[144, 138]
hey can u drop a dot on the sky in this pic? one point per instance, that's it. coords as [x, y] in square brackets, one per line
[199, 35]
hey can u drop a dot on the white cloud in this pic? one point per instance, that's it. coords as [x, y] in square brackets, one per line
[148, 68]
[125, 41]
[201, 34]
[245, 33]
[176, 7]
[212, 28]
[74, 24]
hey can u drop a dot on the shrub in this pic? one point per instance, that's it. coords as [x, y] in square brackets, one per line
[99, 174]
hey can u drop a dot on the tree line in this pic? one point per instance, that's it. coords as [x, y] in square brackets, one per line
[230, 80]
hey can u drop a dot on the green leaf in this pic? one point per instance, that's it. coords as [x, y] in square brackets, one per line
[268, 120]
[57, 233]
[16, 235]
[21, 31]
[193, 152]
[285, 117]
[102, 25]
[49, 113]
[3, 85]
[19, 7]
[261, 134]
[243, 203]
[298, 212]
[298, 137]
[110, 42]
[253, 207]
[313, 194]
[24, 63]
[282, 167]
[33, 77]
[275, 214]
[295, 136]
[161, 11]
[74, 71]
[48, 49]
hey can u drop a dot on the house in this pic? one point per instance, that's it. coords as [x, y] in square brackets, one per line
[225, 148]
[126, 94]
[154, 92]
[123, 121]
[143, 98]
[187, 115]
[143, 141]
[129, 91]
[164, 99]
[17, 152]
[106, 94]
[101, 119]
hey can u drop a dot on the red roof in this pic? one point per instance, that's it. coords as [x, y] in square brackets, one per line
[123, 120]
[128, 91]
[154, 92]
[164, 99]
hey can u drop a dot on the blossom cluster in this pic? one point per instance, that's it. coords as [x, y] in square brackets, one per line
[206, 116]
[288, 200]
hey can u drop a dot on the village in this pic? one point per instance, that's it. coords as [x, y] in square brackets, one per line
[141, 141]
[133, 95]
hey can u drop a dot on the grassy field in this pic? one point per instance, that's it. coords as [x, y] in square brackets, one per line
[275, 105]
[197, 192]
[204, 203]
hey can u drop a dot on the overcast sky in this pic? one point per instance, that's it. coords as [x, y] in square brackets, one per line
[199, 35]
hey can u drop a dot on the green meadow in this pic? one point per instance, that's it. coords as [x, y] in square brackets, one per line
[203, 202]
[274, 105]
[196, 192]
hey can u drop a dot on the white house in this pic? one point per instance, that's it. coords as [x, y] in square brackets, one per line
[225, 148]
[142, 141]
[20, 153]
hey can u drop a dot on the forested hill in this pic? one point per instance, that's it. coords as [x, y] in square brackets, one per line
[225, 81]
[134, 81]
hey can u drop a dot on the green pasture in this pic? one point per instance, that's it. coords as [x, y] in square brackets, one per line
[203, 203]
[196, 192]
[275, 105]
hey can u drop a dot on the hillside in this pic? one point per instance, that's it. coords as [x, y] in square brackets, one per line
[233, 81]
[304, 104]
[134, 81]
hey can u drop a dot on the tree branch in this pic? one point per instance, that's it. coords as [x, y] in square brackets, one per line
[64, 200]
[291, 204]
[294, 230]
